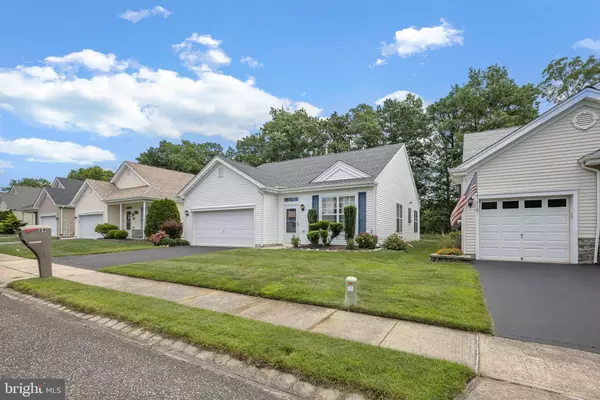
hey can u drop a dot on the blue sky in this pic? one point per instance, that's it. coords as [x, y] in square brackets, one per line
[85, 83]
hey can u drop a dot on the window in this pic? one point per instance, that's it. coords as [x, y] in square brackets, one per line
[399, 218]
[409, 215]
[416, 221]
[290, 220]
[510, 204]
[332, 208]
[489, 205]
[533, 204]
[290, 199]
[557, 203]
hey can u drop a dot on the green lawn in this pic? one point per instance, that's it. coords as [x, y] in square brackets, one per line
[375, 371]
[74, 247]
[8, 238]
[392, 284]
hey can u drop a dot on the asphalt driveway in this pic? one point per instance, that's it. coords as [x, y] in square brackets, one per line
[544, 303]
[97, 261]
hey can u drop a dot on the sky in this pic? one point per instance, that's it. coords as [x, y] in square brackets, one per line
[96, 83]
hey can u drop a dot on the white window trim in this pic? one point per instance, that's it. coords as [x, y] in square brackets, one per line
[416, 221]
[399, 218]
[337, 196]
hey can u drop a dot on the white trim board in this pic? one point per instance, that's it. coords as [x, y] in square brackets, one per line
[354, 173]
[47, 215]
[120, 171]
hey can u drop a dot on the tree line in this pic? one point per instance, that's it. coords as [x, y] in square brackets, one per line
[433, 135]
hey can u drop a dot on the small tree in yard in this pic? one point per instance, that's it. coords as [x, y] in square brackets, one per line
[350, 222]
[9, 223]
[103, 229]
[159, 212]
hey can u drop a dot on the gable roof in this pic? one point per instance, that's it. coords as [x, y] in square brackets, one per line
[589, 93]
[22, 199]
[477, 141]
[63, 197]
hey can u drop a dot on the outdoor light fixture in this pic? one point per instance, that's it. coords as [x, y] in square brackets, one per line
[302, 207]
[470, 202]
[187, 213]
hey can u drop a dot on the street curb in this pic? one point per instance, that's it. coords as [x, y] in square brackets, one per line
[277, 382]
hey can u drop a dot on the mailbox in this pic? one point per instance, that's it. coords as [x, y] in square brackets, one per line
[38, 239]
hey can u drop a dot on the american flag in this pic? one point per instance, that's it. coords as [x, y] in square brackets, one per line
[460, 206]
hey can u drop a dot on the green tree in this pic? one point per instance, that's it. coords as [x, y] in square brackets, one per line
[94, 172]
[364, 127]
[31, 182]
[159, 212]
[337, 130]
[489, 100]
[563, 78]
[186, 156]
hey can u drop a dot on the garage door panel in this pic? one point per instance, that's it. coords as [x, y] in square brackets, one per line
[233, 228]
[87, 225]
[51, 222]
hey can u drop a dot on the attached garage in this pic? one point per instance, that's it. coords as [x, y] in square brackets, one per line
[527, 229]
[50, 220]
[87, 224]
[228, 228]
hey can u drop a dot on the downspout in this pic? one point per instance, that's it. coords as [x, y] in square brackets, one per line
[597, 238]
[61, 221]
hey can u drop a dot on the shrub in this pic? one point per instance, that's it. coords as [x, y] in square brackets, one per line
[312, 215]
[9, 223]
[366, 240]
[166, 241]
[295, 241]
[157, 238]
[324, 224]
[336, 228]
[350, 244]
[350, 222]
[315, 226]
[121, 234]
[324, 235]
[452, 239]
[449, 251]
[111, 234]
[103, 229]
[159, 212]
[395, 242]
[313, 237]
[174, 242]
[173, 228]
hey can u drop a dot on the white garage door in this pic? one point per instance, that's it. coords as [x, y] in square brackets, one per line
[233, 228]
[524, 230]
[87, 224]
[50, 220]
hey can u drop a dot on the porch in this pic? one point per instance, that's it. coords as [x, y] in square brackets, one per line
[130, 216]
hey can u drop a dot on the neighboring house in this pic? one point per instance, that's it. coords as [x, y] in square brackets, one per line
[125, 199]
[538, 187]
[54, 207]
[20, 201]
[232, 204]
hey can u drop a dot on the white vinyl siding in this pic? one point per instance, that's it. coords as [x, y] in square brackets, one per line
[544, 161]
[271, 219]
[396, 186]
[230, 190]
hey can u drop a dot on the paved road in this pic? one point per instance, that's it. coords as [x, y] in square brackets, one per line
[97, 261]
[544, 303]
[39, 342]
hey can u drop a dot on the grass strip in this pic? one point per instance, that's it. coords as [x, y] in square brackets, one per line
[374, 371]
[74, 247]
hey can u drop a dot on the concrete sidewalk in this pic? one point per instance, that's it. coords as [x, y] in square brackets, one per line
[545, 368]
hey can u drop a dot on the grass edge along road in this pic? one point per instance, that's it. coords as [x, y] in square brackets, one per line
[75, 247]
[374, 371]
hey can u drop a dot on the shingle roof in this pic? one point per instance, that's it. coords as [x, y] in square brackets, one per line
[301, 172]
[23, 199]
[478, 141]
[63, 197]
[163, 183]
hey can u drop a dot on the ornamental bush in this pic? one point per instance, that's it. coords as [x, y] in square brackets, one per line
[312, 215]
[104, 228]
[336, 228]
[174, 242]
[313, 237]
[350, 222]
[173, 228]
[366, 240]
[9, 223]
[395, 242]
[159, 212]
[324, 225]
[350, 244]
[121, 234]
[295, 241]
[324, 235]
[315, 226]
[157, 238]
[111, 234]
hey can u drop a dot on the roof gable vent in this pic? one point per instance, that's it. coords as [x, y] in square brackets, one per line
[585, 120]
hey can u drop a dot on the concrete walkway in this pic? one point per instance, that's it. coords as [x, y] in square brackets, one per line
[526, 365]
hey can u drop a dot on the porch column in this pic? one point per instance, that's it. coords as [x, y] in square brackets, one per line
[121, 216]
[144, 220]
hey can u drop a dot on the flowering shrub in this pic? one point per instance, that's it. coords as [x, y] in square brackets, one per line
[158, 237]
[449, 251]
[365, 240]
[395, 242]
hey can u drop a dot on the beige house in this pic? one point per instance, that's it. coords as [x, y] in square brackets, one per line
[538, 187]
[124, 201]
[20, 201]
[54, 207]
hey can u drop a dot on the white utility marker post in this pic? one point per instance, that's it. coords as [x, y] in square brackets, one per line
[351, 297]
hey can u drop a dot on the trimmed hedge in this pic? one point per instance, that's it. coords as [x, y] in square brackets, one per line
[117, 234]
[105, 228]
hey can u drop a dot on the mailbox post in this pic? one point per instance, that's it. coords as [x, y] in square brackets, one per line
[38, 239]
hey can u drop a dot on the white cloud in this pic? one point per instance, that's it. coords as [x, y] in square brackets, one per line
[90, 59]
[590, 44]
[309, 108]
[379, 62]
[5, 165]
[137, 16]
[399, 95]
[210, 58]
[410, 41]
[42, 150]
[251, 62]
[110, 102]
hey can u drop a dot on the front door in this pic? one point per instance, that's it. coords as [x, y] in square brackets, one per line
[291, 223]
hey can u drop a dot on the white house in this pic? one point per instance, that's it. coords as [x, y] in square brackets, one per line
[124, 201]
[538, 187]
[232, 204]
